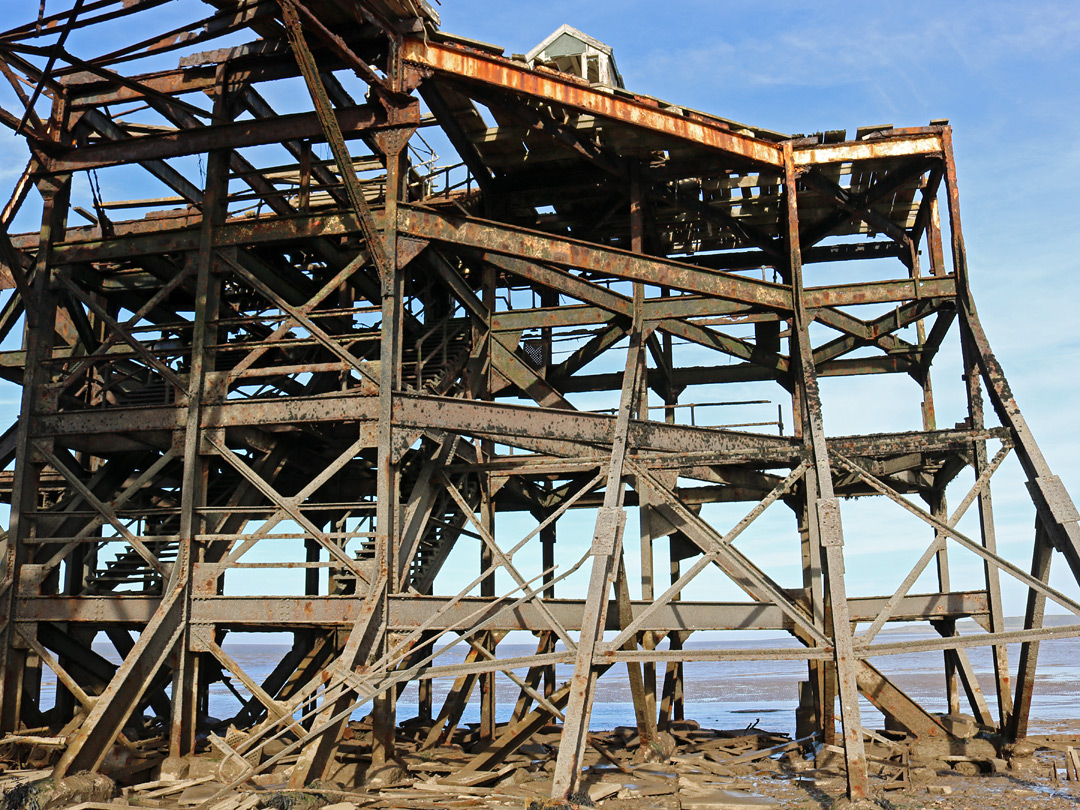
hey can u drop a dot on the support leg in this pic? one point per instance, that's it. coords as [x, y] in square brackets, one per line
[824, 507]
[1033, 619]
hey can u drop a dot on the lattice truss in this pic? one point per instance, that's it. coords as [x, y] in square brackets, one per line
[308, 337]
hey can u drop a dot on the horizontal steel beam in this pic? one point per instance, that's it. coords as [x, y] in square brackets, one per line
[408, 612]
[343, 407]
[565, 252]
[354, 122]
[180, 234]
[589, 433]
[919, 142]
[458, 62]
[580, 427]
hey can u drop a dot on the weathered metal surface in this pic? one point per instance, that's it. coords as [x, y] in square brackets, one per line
[239, 134]
[354, 365]
[505, 74]
[409, 612]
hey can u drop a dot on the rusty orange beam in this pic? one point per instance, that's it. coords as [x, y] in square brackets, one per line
[904, 144]
[466, 63]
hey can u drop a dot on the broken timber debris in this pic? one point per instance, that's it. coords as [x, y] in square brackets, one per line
[709, 770]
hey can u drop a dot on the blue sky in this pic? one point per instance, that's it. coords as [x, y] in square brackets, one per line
[1003, 73]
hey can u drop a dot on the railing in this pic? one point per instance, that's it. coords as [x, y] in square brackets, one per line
[451, 331]
[693, 406]
[430, 187]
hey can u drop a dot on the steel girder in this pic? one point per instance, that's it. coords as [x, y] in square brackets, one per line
[357, 363]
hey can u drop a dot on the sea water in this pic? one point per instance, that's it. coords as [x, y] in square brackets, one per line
[721, 694]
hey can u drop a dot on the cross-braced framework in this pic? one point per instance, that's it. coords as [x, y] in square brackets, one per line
[308, 335]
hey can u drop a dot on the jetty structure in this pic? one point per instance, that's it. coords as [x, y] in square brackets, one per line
[310, 351]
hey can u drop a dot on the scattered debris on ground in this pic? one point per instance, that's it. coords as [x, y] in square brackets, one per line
[685, 768]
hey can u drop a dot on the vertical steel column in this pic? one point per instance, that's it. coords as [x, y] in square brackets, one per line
[671, 700]
[388, 485]
[424, 701]
[74, 582]
[815, 712]
[486, 681]
[959, 663]
[40, 335]
[368, 638]
[935, 499]
[1041, 557]
[1002, 678]
[312, 554]
[648, 592]
[549, 533]
[187, 684]
[824, 507]
[547, 552]
[644, 711]
[643, 677]
[939, 509]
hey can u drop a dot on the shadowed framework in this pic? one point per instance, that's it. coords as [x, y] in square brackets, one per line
[311, 338]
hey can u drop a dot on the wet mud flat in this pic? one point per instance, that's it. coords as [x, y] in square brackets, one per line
[683, 768]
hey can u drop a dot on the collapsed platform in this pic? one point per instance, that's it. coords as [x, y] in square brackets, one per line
[336, 359]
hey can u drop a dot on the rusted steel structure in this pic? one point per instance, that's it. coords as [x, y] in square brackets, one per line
[318, 339]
